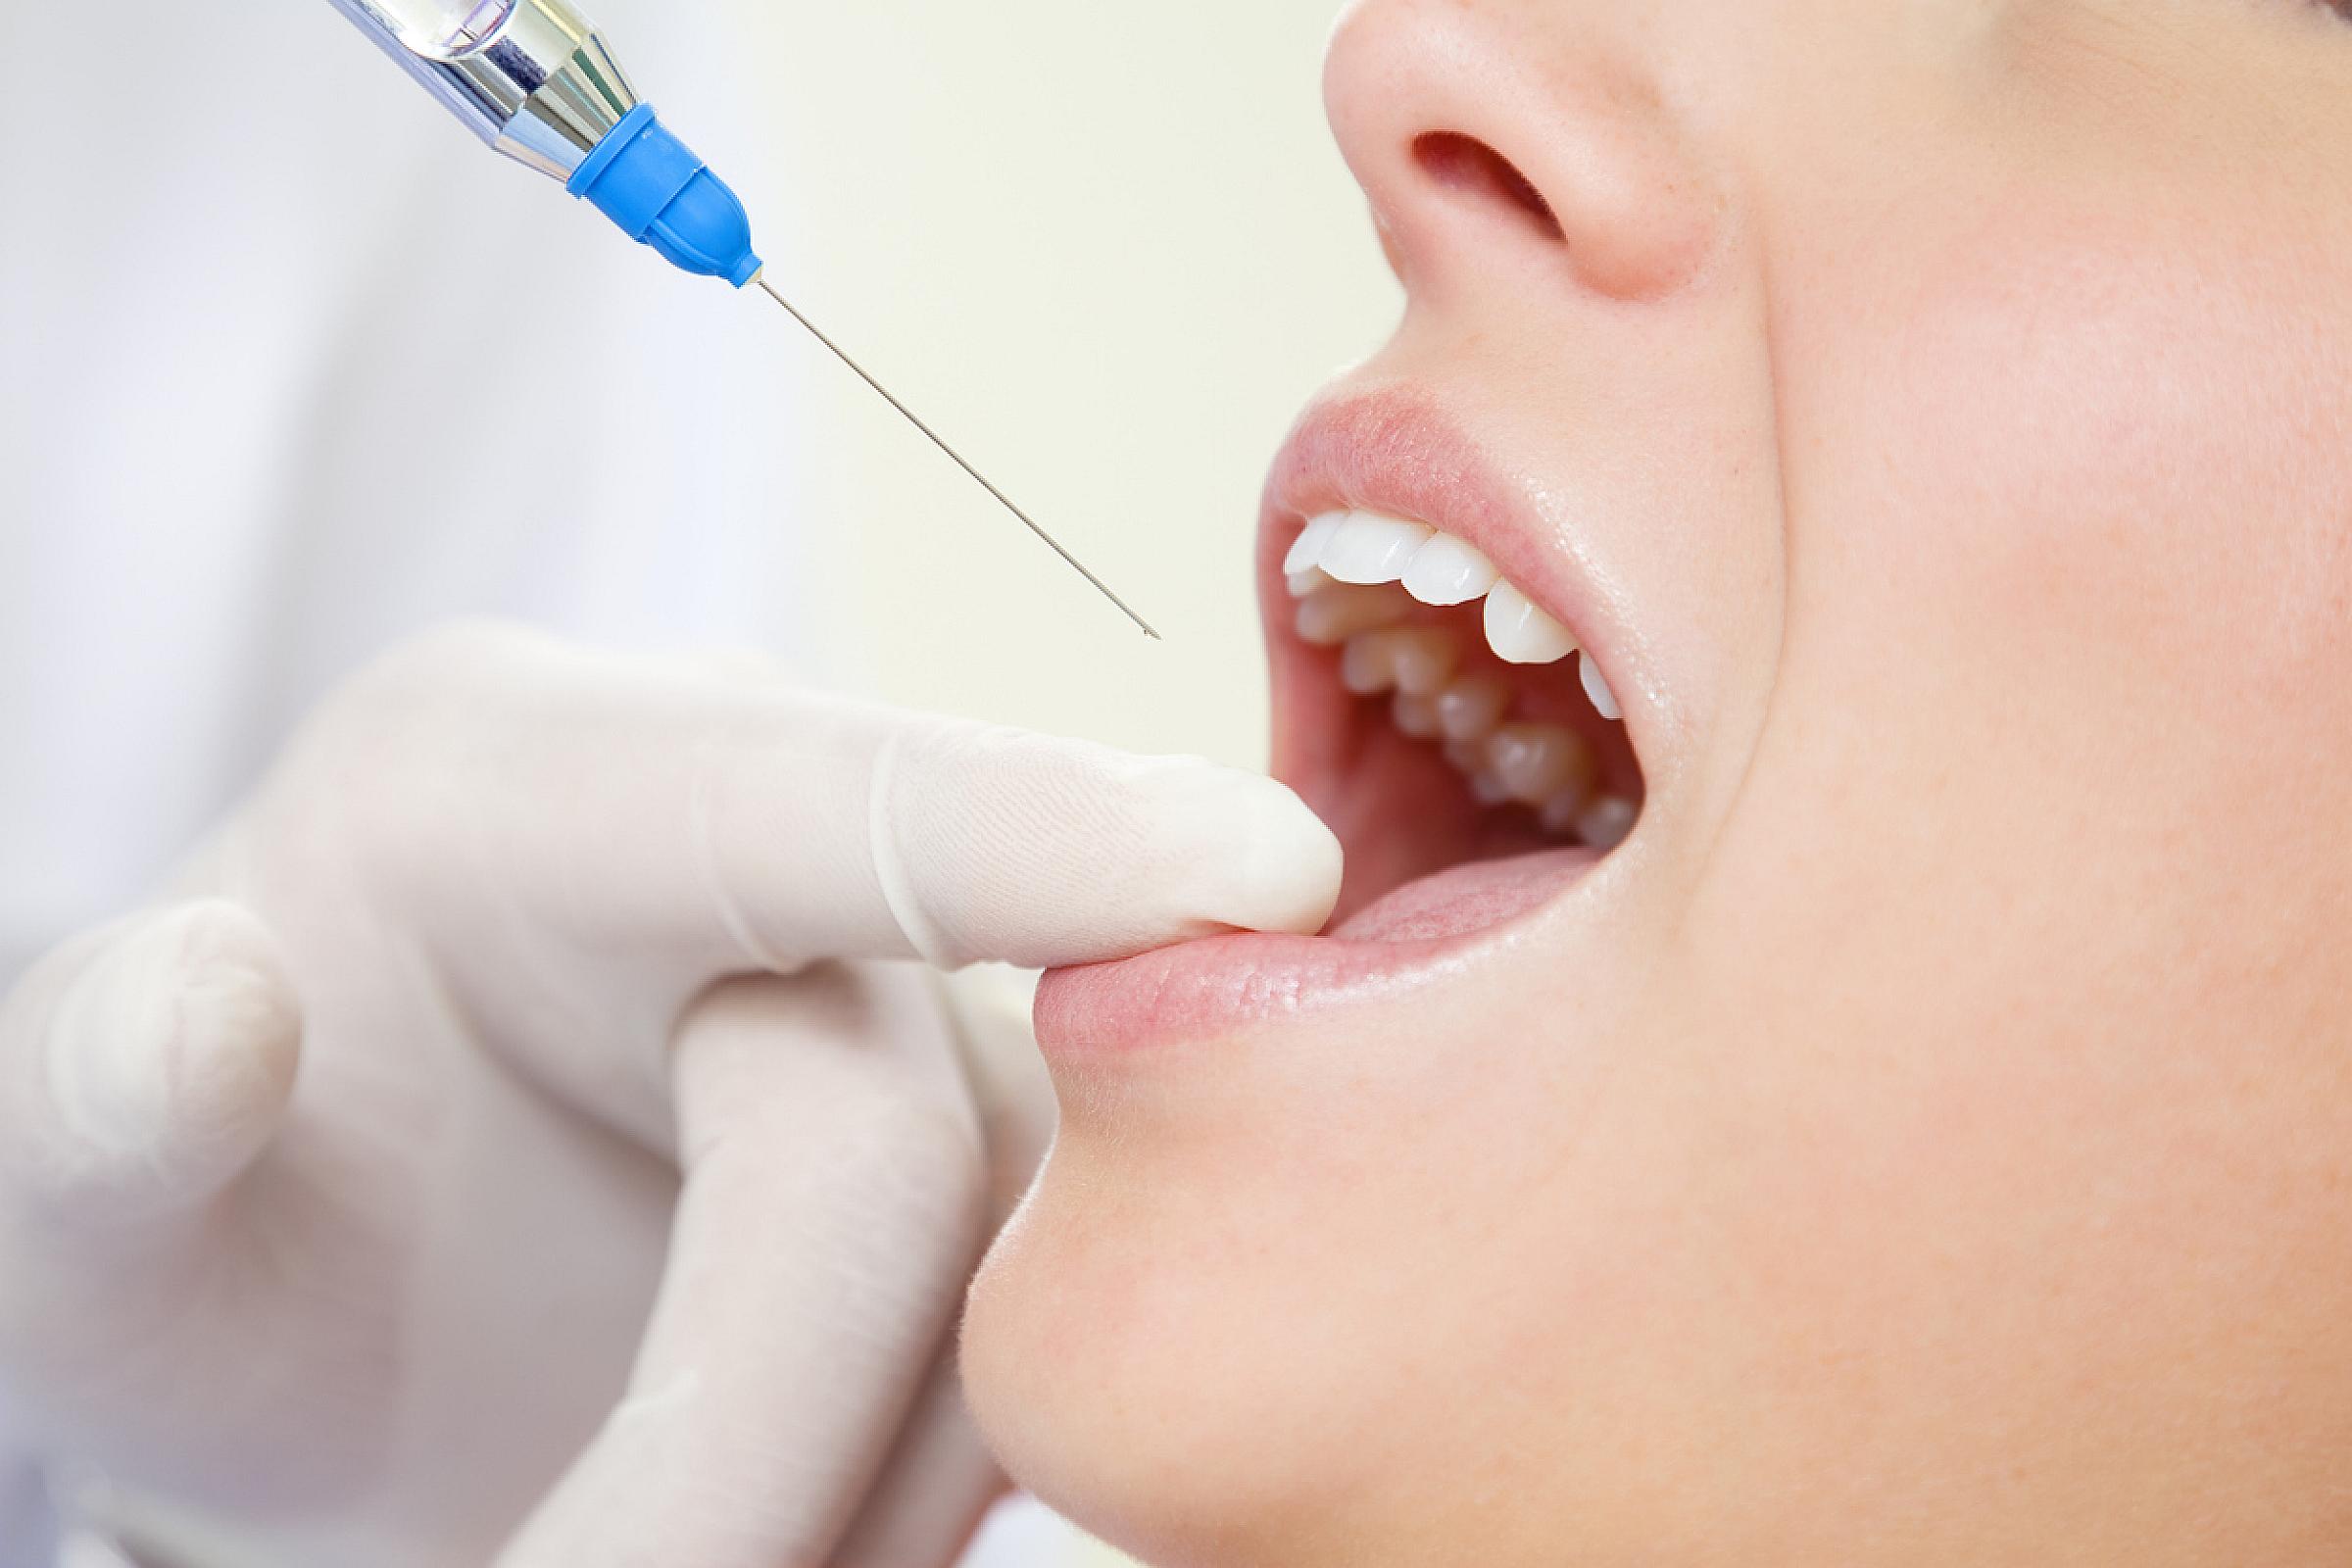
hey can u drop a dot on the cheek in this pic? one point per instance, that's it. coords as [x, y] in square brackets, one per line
[2026, 938]
[2109, 455]
[2132, 457]
[2069, 503]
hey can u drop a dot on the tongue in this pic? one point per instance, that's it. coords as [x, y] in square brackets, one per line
[1466, 897]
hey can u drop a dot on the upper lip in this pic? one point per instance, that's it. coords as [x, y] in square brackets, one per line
[1394, 453]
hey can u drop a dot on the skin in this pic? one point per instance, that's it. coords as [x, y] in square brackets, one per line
[1930, 1141]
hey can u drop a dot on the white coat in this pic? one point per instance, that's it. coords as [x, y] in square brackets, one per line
[294, 365]
[290, 366]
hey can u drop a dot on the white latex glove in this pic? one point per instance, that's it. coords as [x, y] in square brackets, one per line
[335, 1194]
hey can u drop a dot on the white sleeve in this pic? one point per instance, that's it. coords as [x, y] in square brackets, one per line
[27, 1526]
[301, 370]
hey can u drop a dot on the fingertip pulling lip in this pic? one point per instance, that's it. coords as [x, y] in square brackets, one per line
[1205, 989]
[1220, 986]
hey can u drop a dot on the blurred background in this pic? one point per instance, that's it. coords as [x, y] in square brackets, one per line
[1106, 249]
[1111, 249]
[296, 368]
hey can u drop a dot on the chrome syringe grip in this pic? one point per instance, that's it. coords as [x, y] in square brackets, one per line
[531, 77]
[534, 79]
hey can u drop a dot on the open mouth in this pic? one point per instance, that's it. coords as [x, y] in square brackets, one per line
[1445, 692]
[1446, 700]
[1481, 755]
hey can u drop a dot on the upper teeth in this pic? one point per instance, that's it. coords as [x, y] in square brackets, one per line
[1596, 687]
[1416, 660]
[1368, 549]
[1448, 572]
[1520, 633]
[1357, 576]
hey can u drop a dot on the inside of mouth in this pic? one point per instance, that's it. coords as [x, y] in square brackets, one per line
[1467, 786]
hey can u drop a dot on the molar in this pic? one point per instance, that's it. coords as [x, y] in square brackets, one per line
[1470, 760]
[1539, 762]
[1415, 716]
[1607, 822]
[1414, 659]
[1559, 814]
[1469, 709]
[1489, 788]
[1329, 616]
[1426, 659]
[1368, 667]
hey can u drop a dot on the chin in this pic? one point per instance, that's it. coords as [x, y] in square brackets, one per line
[1146, 1399]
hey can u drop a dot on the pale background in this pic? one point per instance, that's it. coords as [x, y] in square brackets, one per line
[290, 368]
[1109, 249]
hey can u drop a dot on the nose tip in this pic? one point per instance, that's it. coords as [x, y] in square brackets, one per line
[1476, 127]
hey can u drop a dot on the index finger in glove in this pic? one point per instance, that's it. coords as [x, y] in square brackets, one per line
[833, 1207]
[143, 1066]
[731, 823]
[993, 844]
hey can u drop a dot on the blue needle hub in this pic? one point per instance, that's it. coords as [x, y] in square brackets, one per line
[654, 187]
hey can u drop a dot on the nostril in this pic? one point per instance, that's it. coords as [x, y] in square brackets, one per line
[1466, 164]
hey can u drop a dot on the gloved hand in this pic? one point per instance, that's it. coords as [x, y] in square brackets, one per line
[335, 1193]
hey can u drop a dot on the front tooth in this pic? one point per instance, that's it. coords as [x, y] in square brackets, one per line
[1521, 633]
[1538, 761]
[1308, 581]
[1415, 716]
[1368, 547]
[1471, 706]
[1307, 548]
[1329, 616]
[1448, 572]
[1596, 687]
[1605, 823]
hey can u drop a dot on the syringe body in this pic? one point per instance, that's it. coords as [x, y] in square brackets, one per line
[534, 79]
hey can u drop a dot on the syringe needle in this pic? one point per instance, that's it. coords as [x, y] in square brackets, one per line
[938, 441]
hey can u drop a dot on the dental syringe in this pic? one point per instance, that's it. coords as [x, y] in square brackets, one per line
[535, 79]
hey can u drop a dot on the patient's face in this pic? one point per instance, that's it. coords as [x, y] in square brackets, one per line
[1928, 1138]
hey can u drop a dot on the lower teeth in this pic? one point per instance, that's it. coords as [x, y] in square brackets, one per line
[1416, 717]
[1548, 769]
[1607, 822]
[1539, 764]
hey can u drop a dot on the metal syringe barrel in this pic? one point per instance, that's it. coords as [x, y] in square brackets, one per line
[534, 79]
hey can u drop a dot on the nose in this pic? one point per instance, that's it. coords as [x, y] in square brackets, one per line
[1488, 138]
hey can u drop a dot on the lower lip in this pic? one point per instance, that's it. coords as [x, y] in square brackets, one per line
[1424, 930]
